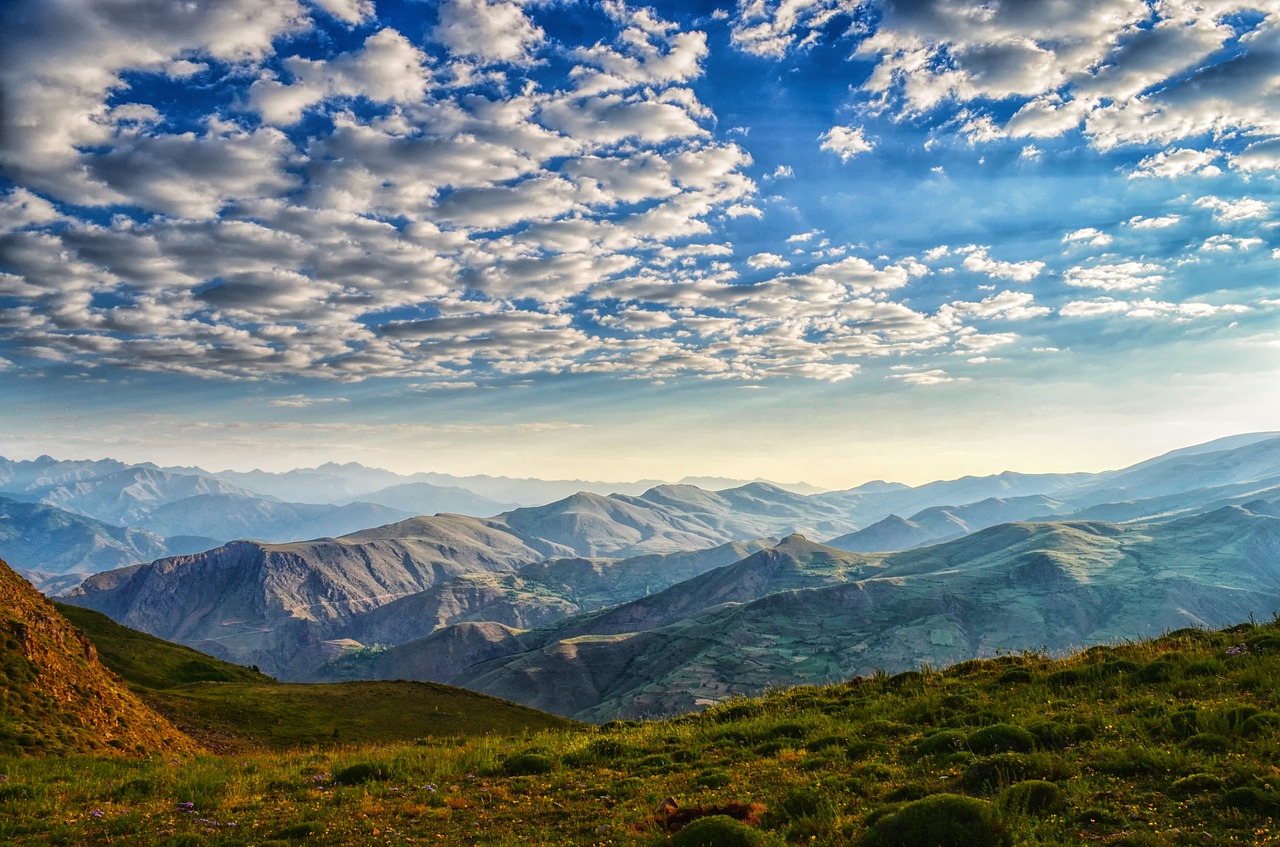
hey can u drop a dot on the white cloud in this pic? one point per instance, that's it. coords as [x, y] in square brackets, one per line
[772, 28]
[935, 376]
[767, 260]
[387, 68]
[349, 11]
[1117, 276]
[1089, 235]
[782, 172]
[845, 141]
[1162, 222]
[802, 237]
[1229, 244]
[488, 30]
[978, 260]
[1006, 305]
[1147, 309]
[1177, 162]
[1228, 211]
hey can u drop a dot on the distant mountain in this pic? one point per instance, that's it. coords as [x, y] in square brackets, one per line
[538, 594]
[423, 498]
[943, 523]
[128, 496]
[233, 516]
[671, 518]
[1013, 587]
[873, 502]
[58, 698]
[272, 605]
[64, 547]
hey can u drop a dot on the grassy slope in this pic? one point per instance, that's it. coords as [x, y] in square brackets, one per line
[1173, 741]
[233, 709]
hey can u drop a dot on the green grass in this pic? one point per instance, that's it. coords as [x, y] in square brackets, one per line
[1109, 746]
[233, 709]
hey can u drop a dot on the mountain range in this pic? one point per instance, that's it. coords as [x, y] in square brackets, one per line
[597, 606]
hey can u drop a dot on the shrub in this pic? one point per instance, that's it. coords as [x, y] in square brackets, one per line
[904, 793]
[1235, 717]
[358, 774]
[943, 820]
[787, 730]
[1058, 734]
[1003, 769]
[1208, 742]
[803, 803]
[718, 831]
[1196, 783]
[1014, 676]
[1033, 796]
[942, 743]
[1260, 723]
[1001, 737]
[528, 764]
[713, 779]
[1160, 670]
[1250, 799]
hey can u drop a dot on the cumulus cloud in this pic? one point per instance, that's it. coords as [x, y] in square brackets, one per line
[1161, 222]
[1088, 235]
[773, 27]
[1228, 244]
[387, 69]
[1006, 305]
[845, 141]
[978, 260]
[1178, 162]
[935, 376]
[1228, 211]
[488, 30]
[767, 260]
[1116, 276]
[348, 11]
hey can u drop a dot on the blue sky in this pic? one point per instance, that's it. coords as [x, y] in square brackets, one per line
[827, 240]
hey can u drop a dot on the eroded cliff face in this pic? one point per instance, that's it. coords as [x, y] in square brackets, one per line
[56, 696]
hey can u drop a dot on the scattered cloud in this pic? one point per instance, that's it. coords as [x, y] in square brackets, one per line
[978, 260]
[1161, 222]
[767, 260]
[1178, 162]
[846, 142]
[1116, 276]
[1228, 211]
[1088, 235]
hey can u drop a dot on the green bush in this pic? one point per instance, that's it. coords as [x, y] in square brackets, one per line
[1208, 742]
[942, 743]
[1014, 676]
[718, 831]
[1196, 783]
[1260, 723]
[529, 764]
[991, 772]
[1059, 734]
[1033, 796]
[1251, 799]
[713, 779]
[943, 820]
[806, 802]
[1001, 737]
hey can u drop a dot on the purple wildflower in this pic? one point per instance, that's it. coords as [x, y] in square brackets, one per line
[96, 813]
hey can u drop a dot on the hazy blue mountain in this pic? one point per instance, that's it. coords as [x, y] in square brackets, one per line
[234, 516]
[423, 498]
[874, 502]
[54, 548]
[943, 523]
[128, 496]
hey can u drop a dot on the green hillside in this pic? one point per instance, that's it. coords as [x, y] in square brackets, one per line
[232, 709]
[1172, 741]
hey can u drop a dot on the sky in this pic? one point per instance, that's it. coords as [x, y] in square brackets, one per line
[820, 240]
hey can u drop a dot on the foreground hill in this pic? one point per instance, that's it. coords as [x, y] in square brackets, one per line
[234, 709]
[57, 697]
[1167, 742]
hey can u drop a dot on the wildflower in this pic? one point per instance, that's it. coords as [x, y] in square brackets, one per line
[96, 813]
[430, 786]
[186, 806]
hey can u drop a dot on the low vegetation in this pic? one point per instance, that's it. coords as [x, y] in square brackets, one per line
[1173, 741]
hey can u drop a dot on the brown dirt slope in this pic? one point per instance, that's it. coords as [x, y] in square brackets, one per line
[56, 697]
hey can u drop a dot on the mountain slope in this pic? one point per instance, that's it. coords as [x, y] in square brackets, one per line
[273, 605]
[1012, 587]
[57, 697]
